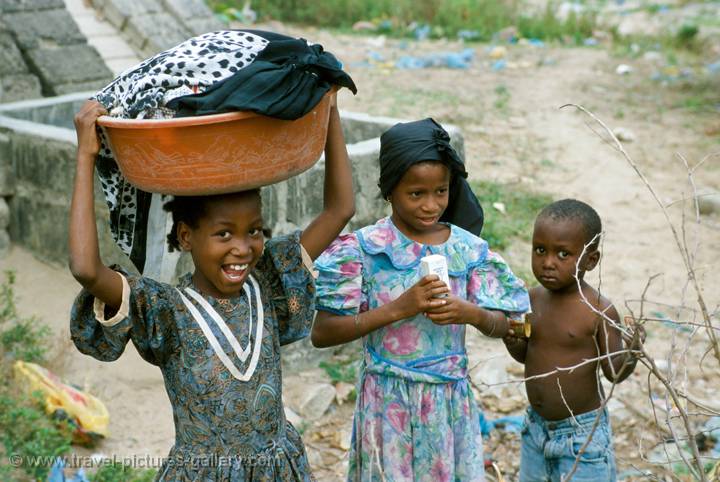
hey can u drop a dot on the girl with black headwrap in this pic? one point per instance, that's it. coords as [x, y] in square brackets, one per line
[416, 418]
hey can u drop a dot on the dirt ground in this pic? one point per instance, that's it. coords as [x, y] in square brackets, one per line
[515, 133]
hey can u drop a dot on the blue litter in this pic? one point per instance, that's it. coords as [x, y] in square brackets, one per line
[590, 42]
[385, 26]
[713, 68]
[57, 473]
[670, 322]
[362, 63]
[421, 32]
[535, 42]
[453, 60]
[375, 56]
[512, 424]
[712, 428]
[460, 60]
[468, 35]
[499, 65]
[407, 62]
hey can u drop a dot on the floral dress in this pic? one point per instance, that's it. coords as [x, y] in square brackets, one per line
[416, 418]
[225, 429]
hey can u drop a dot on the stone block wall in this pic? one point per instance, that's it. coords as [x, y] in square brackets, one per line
[42, 52]
[16, 80]
[7, 189]
[151, 26]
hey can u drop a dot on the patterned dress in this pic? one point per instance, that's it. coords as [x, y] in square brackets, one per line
[225, 429]
[416, 418]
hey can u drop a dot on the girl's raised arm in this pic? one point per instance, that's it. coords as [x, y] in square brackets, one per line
[339, 196]
[85, 263]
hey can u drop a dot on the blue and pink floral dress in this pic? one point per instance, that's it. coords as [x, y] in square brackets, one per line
[416, 417]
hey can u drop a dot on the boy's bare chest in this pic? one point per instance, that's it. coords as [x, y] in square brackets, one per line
[563, 326]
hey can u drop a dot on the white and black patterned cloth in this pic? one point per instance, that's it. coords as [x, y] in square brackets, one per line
[200, 64]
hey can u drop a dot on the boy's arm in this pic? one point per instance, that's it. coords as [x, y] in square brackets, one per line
[85, 263]
[339, 196]
[517, 347]
[609, 338]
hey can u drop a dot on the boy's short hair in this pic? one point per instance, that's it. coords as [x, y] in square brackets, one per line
[580, 211]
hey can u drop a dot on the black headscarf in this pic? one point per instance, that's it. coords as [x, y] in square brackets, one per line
[407, 144]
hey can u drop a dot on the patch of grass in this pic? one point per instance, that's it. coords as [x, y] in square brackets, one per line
[340, 370]
[20, 338]
[27, 432]
[400, 100]
[547, 162]
[117, 472]
[446, 18]
[685, 40]
[549, 27]
[345, 371]
[521, 207]
[502, 98]
[700, 96]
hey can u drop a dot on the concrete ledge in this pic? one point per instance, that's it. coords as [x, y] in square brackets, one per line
[39, 130]
[9, 6]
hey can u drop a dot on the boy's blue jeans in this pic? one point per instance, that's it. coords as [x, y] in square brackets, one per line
[549, 448]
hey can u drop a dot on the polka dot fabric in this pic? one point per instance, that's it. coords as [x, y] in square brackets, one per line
[141, 92]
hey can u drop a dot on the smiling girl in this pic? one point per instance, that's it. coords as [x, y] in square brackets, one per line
[416, 418]
[216, 337]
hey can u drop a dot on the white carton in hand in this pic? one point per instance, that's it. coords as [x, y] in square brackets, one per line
[436, 264]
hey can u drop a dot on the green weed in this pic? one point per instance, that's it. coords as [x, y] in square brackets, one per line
[117, 472]
[700, 96]
[673, 45]
[29, 433]
[521, 207]
[401, 99]
[345, 371]
[340, 371]
[20, 339]
[502, 98]
[483, 18]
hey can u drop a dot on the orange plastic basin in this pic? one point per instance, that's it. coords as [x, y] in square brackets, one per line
[218, 153]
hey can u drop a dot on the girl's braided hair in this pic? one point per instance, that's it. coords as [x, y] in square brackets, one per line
[189, 210]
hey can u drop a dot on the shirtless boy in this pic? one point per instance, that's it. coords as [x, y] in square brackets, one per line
[565, 331]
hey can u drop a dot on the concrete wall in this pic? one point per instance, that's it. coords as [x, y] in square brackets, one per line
[37, 165]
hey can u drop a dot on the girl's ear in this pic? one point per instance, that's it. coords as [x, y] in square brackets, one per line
[184, 236]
